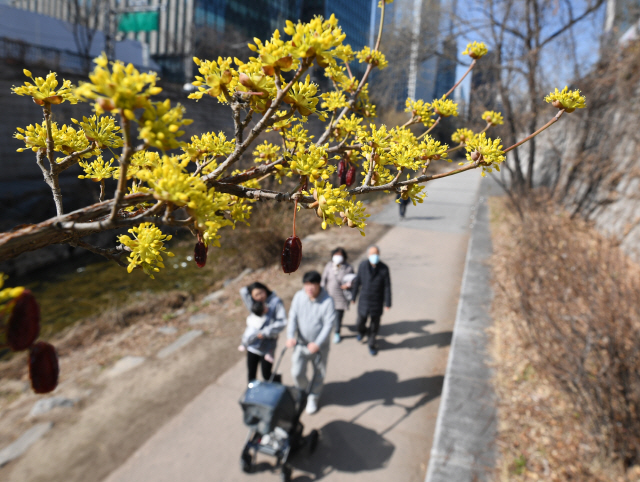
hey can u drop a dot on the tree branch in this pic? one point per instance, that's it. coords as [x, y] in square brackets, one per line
[259, 127]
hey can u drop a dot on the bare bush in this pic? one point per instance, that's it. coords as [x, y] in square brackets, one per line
[576, 298]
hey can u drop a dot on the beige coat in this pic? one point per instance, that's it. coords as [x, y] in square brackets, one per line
[332, 277]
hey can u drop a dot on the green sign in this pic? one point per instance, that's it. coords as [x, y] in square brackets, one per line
[138, 22]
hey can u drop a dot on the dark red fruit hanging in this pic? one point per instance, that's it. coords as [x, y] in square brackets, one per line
[351, 176]
[291, 254]
[200, 254]
[292, 249]
[43, 367]
[24, 323]
[342, 171]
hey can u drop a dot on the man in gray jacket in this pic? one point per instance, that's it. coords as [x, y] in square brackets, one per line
[311, 319]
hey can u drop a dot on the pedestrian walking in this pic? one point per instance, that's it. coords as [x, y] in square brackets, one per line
[373, 283]
[311, 319]
[333, 280]
[403, 205]
[266, 320]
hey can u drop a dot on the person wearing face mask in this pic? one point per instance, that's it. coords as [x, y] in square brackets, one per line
[373, 284]
[333, 280]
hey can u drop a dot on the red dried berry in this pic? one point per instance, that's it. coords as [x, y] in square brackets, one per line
[200, 254]
[342, 171]
[24, 323]
[351, 176]
[291, 254]
[43, 367]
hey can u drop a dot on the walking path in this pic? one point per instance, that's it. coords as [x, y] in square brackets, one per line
[377, 414]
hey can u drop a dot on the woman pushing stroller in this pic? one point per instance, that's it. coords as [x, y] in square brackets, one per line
[266, 320]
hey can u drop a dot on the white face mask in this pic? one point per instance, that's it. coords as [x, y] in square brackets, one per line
[337, 259]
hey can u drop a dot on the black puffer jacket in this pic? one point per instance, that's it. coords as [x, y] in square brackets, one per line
[374, 286]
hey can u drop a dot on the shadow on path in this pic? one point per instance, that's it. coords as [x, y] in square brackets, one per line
[346, 446]
[379, 385]
[441, 339]
[404, 327]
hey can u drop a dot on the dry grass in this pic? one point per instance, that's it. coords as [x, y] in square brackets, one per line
[565, 346]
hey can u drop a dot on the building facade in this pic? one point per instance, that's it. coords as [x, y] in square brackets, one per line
[186, 27]
[422, 64]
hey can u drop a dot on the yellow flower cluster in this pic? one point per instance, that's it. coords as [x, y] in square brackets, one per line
[274, 55]
[414, 192]
[101, 130]
[160, 125]
[301, 96]
[333, 101]
[44, 90]
[475, 50]
[492, 117]
[97, 170]
[311, 163]
[336, 207]
[445, 107]
[423, 111]
[140, 161]
[123, 89]
[266, 152]
[66, 139]
[147, 247]
[348, 125]
[488, 151]
[373, 57]
[260, 87]
[568, 100]
[317, 39]
[218, 79]
[208, 145]
[171, 182]
[461, 136]
[432, 149]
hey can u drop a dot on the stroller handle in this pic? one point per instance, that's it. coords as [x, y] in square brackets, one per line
[316, 360]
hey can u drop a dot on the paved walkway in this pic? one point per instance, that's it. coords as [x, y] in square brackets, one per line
[377, 414]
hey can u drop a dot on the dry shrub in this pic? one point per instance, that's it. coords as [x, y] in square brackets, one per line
[575, 300]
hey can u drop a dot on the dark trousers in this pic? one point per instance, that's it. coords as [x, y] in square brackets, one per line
[339, 316]
[373, 327]
[252, 366]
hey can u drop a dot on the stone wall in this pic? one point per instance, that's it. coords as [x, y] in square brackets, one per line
[590, 158]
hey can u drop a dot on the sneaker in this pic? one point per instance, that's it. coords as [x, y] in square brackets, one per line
[312, 404]
[359, 337]
[373, 350]
[336, 338]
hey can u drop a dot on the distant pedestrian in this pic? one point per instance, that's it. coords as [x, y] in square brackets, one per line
[311, 319]
[403, 205]
[373, 283]
[333, 280]
[267, 319]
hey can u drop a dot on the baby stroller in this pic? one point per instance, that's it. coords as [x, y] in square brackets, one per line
[272, 413]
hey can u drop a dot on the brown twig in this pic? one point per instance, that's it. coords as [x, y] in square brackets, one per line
[473, 64]
[125, 158]
[531, 136]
